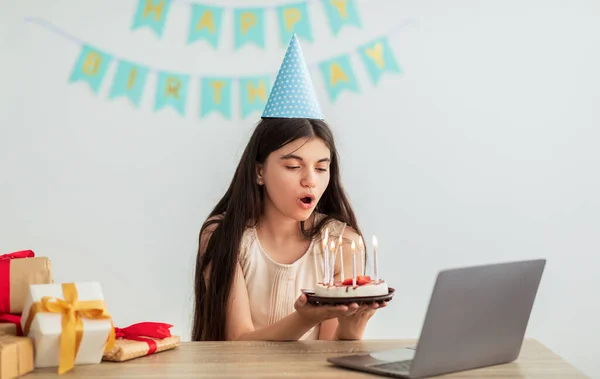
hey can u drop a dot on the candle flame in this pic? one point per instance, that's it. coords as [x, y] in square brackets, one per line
[332, 244]
[353, 246]
[374, 241]
[326, 237]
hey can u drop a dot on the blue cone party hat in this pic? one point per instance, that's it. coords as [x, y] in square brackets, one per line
[293, 95]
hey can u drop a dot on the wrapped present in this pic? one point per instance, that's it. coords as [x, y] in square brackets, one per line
[68, 323]
[10, 324]
[16, 356]
[141, 339]
[17, 271]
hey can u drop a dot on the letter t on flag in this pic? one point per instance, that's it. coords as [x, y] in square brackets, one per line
[215, 96]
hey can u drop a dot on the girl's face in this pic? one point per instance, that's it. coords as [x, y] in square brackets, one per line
[295, 177]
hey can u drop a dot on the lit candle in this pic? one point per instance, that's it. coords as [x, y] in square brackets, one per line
[315, 264]
[341, 253]
[353, 264]
[361, 247]
[325, 255]
[375, 258]
[332, 266]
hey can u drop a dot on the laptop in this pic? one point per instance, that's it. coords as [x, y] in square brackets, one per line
[477, 317]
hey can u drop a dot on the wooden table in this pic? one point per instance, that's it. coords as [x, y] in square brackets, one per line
[304, 359]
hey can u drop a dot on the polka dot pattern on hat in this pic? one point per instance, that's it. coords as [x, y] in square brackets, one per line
[293, 94]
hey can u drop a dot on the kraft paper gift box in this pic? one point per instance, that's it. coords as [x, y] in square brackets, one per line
[16, 356]
[68, 323]
[8, 328]
[17, 271]
[10, 324]
[141, 339]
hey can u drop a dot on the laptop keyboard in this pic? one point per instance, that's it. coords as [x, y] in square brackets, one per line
[398, 366]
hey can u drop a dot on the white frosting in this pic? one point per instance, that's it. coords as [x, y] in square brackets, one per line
[371, 289]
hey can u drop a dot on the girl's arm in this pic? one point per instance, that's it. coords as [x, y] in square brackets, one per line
[239, 321]
[239, 325]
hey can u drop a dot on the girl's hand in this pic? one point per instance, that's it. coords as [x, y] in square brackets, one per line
[361, 313]
[352, 324]
[319, 313]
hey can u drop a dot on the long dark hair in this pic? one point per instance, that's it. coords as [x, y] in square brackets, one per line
[241, 207]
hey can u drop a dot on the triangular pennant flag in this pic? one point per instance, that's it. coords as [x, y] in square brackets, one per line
[293, 94]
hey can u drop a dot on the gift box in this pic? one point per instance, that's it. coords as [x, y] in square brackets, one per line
[17, 271]
[68, 323]
[16, 356]
[141, 339]
[8, 328]
[10, 324]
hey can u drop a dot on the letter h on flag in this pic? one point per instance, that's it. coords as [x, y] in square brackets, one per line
[151, 14]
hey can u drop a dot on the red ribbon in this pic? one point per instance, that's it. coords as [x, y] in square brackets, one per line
[135, 332]
[18, 254]
[13, 319]
[5, 276]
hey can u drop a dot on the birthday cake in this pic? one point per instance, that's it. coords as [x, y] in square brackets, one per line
[356, 286]
[364, 287]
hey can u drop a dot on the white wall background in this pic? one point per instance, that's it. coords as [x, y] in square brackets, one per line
[485, 149]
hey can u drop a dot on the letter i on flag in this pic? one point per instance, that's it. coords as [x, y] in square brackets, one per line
[91, 67]
[151, 14]
[205, 24]
[215, 96]
[171, 91]
[129, 81]
[341, 13]
[338, 76]
[254, 93]
[378, 58]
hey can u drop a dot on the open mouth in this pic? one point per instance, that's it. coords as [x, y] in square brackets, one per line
[306, 200]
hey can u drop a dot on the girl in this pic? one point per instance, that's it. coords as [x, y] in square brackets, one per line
[262, 242]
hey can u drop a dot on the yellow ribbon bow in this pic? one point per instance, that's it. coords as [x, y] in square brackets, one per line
[72, 311]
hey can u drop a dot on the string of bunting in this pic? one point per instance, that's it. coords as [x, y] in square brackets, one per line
[249, 23]
[216, 92]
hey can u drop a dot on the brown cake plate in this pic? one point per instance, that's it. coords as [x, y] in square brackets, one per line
[321, 300]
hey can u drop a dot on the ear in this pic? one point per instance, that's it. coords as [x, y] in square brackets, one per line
[259, 174]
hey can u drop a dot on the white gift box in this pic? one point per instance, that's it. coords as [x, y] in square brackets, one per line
[45, 328]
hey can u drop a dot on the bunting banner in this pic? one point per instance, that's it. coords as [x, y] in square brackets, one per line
[151, 14]
[90, 67]
[205, 24]
[217, 94]
[249, 26]
[171, 91]
[129, 81]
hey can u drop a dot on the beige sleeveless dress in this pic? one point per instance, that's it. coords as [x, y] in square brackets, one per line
[274, 287]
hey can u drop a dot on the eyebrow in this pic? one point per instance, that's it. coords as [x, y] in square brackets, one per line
[292, 156]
